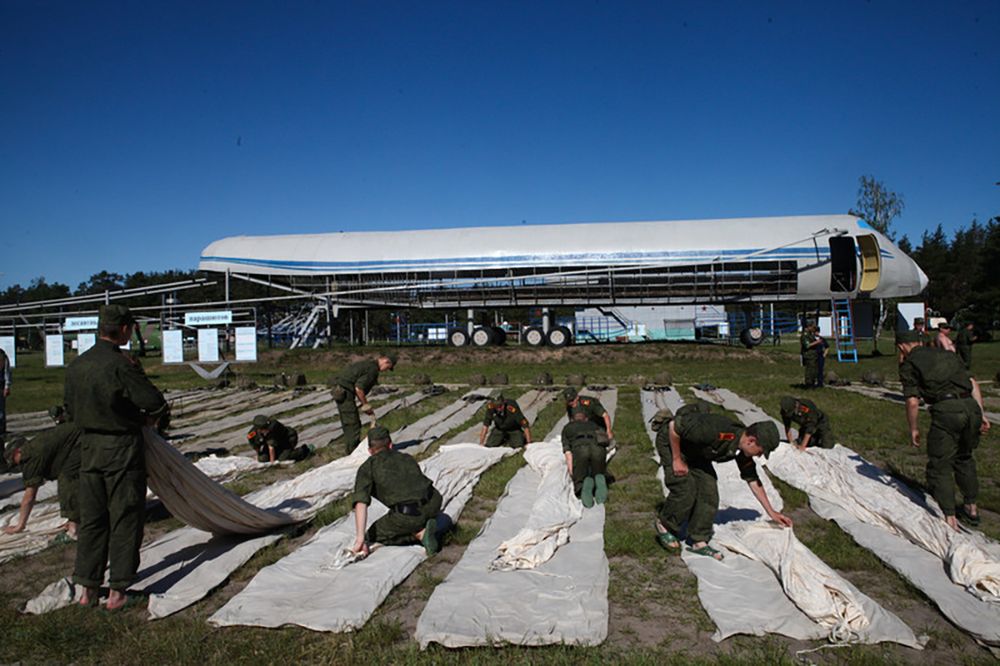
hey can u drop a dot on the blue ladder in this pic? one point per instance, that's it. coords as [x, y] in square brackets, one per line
[843, 330]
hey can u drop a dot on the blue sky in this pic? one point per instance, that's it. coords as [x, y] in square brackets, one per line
[132, 134]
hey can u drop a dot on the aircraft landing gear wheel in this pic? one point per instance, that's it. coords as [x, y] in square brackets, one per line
[751, 337]
[482, 337]
[560, 336]
[534, 336]
[458, 338]
[499, 335]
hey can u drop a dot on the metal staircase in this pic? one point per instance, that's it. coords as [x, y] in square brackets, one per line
[843, 330]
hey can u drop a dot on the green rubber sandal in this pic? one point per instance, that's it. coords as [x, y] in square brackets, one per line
[600, 489]
[429, 539]
[667, 541]
[707, 551]
[966, 517]
[587, 492]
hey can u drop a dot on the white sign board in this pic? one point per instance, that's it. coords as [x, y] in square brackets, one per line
[208, 345]
[54, 351]
[826, 327]
[221, 317]
[246, 343]
[80, 324]
[173, 346]
[7, 344]
[85, 341]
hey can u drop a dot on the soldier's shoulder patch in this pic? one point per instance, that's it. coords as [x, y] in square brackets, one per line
[585, 401]
[803, 409]
[727, 436]
[491, 405]
[511, 408]
[251, 434]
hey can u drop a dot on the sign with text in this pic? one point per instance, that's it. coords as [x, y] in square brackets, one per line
[208, 345]
[7, 344]
[85, 341]
[221, 317]
[246, 343]
[173, 346]
[54, 351]
[80, 324]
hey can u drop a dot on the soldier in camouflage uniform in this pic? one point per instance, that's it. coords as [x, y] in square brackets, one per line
[963, 344]
[688, 445]
[52, 455]
[273, 441]
[354, 382]
[586, 450]
[395, 480]
[589, 406]
[957, 419]
[814, 426]
[510, 427]
[110, 399]
[811, 346]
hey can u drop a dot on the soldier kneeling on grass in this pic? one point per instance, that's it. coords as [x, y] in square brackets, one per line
[688, 444]
[585, 445]
[273, 441]
[395, 480]
[814, 426]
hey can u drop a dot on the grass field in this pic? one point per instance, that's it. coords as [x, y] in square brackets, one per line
[655, 616]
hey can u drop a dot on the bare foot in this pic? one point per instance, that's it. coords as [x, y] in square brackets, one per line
[952, 522]
[89, 596]
[71, 529]
[116, 599]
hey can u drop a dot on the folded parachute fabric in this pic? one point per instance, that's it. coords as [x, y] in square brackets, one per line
[322, 586]
[44, 525]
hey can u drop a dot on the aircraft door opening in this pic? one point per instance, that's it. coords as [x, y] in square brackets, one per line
[843, 264]
[871, 262]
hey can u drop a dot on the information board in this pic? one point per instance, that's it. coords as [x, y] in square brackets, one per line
[208, 345]
[246, 343]
[173, 346]
[218, 318]
[80, 324]
[85, 341]
[54, 357]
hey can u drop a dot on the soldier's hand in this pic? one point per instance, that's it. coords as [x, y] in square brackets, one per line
[13, 529]
[985, 426]
[680, 468]
[915, 438]
[361, 549]
[781, 519]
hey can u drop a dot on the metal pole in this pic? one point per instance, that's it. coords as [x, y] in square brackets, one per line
[227, 287]
[470, 315]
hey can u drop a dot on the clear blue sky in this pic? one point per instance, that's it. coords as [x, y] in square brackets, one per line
[134, 133]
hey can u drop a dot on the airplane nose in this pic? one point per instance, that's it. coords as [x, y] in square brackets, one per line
[921, 278]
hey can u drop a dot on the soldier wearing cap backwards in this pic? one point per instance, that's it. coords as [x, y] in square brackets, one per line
[688, 445]
[353, 383]
[814, 426]
[510, 427]
[273, 440]
[591, 407]
[586, 451]
[957, 419]
[395, 480]
[52, 455]
[110, 399]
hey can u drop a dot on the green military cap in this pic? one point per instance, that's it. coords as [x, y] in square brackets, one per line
[569, 393]
[56, 411]
[945, 324]
[903, 337]
[392, 359]
[767, 437]
[788, 404]
[115, 315]
[378, 434]
[261, 421]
